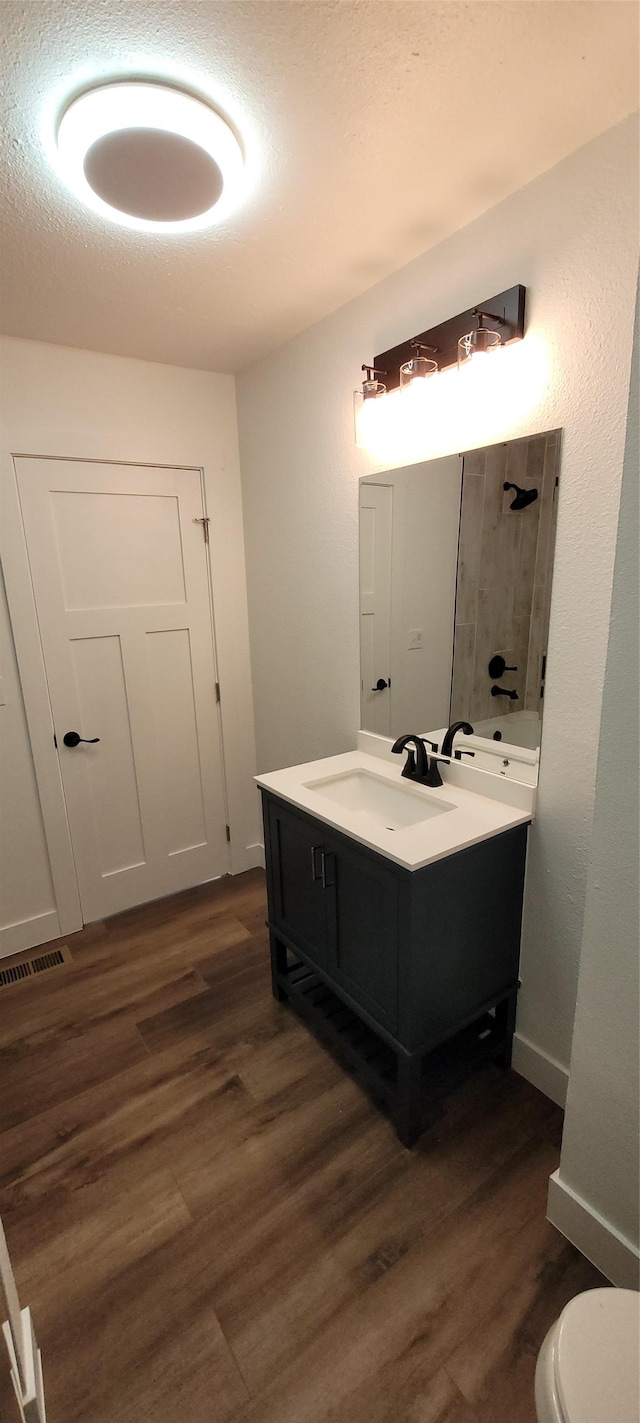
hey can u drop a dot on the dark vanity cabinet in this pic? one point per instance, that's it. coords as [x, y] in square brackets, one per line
[410, 975]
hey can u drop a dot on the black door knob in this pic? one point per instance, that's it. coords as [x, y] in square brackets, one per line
[498, 666]
[71, 738]
[380, 685]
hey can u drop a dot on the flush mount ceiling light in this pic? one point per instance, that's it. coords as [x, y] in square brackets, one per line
[150, 157]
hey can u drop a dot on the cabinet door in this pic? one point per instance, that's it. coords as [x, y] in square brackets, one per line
[362, 895]
[297, 895]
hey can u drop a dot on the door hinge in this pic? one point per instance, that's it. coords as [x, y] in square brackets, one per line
[217, 691]
[205, 527]
[228, 830]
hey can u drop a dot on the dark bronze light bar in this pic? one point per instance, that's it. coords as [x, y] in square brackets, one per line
[507, 310]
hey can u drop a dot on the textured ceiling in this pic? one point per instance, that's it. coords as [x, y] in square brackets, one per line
[372, 130]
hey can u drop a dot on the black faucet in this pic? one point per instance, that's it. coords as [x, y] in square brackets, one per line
[447, 745]
[418, 766]
[502, 692]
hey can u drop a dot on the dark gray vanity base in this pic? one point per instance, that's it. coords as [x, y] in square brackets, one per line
[410, 976]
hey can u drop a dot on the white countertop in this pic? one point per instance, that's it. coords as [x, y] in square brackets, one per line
[482, 805]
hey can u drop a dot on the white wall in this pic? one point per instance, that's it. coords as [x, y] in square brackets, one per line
[571, 238]
[58, 401]
[595, 1195]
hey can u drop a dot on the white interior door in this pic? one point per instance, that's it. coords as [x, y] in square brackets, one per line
[121, 584]
[376, 513]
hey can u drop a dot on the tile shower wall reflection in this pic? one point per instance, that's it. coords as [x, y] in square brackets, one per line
[505, 563]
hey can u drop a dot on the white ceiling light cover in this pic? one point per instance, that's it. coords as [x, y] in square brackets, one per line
[150, 157]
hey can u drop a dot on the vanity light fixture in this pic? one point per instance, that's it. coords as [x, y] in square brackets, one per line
[507, 310]
[149, 156]
[379, 411]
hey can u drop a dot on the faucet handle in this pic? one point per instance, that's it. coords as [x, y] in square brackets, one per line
[497, 667]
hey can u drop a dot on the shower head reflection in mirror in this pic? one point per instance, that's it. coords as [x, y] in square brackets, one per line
[452, 580]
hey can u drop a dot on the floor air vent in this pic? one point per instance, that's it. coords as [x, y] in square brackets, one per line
[39, 963]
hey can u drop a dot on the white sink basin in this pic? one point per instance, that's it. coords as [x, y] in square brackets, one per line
[389, 805]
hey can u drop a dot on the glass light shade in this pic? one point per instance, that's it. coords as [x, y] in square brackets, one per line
[367, 405]
[477, 343]
[372, 389]
[418, 368]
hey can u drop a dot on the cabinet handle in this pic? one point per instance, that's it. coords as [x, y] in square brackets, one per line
[328, 868]
[314, 867]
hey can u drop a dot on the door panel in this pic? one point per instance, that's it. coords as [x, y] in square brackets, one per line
[105, 773]
[172, 694]
[363, 931]
[121, 584]
[118, 550]
[299, 899]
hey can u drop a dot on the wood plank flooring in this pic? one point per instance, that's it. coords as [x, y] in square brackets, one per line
[212, 1222]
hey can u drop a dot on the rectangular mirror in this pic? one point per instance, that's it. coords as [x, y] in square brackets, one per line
[455, 593]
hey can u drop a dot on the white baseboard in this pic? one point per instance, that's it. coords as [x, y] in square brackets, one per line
[256, 853]
[250, 858]
[610, 1251]
[548, 1075]
[15, 938]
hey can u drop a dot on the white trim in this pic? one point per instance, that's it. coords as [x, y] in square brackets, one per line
[28, 933]
[29, 1391]
[255, 857]
[246, 857]
[35, 696]
[223, 502]
[544, 1072]
[610, 1251]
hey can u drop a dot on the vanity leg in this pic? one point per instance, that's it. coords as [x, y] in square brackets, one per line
[505, 1027]
[408, 1115]
[278, 965]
